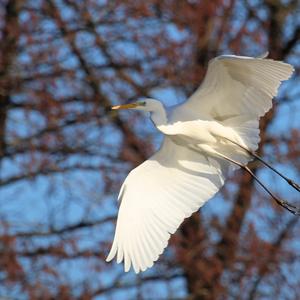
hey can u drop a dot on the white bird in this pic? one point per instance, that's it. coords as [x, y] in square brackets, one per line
[214, 131]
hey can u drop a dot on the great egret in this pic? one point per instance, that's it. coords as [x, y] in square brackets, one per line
[215, 130]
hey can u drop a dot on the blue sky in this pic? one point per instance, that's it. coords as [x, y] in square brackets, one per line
[71, 197]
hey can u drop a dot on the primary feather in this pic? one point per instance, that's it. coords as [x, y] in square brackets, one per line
[184, 173]
[156, 197]
[237, 85]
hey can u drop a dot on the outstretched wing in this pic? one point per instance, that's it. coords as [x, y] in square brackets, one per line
[235, 86]
[236, 92]
[156, 197]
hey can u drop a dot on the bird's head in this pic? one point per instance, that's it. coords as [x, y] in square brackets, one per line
[155, 108]
[147, 105]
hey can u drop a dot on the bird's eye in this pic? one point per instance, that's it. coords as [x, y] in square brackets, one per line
[142, 103]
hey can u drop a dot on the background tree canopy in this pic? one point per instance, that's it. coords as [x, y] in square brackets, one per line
[64, 155]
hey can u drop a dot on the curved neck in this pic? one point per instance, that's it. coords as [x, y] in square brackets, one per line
[159, 116]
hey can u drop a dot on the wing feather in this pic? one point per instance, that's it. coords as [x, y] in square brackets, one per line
[156, 197]
[236, 88]
[175, 182]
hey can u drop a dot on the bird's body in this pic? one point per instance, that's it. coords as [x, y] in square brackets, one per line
[211, 133]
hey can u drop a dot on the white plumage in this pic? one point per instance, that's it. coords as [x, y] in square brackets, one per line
[201, 136]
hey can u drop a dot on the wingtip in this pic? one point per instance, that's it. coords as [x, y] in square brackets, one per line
[289, 71]
[111, 254]
[126, 268]
[108, 258]
[292, 69]
[264, 55]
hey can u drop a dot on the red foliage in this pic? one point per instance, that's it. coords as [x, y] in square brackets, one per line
[63, 154]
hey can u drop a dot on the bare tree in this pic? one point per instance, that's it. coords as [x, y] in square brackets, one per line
[64, 154]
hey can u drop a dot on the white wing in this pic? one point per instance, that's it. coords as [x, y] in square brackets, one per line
[238, 85]
[156, 197]
[236, 91]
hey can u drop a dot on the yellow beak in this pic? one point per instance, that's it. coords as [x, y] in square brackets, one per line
[125, 106]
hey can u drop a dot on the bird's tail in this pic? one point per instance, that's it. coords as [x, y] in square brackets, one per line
[246, 128]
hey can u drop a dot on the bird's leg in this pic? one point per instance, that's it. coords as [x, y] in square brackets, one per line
[291, 208]
[252, 153]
